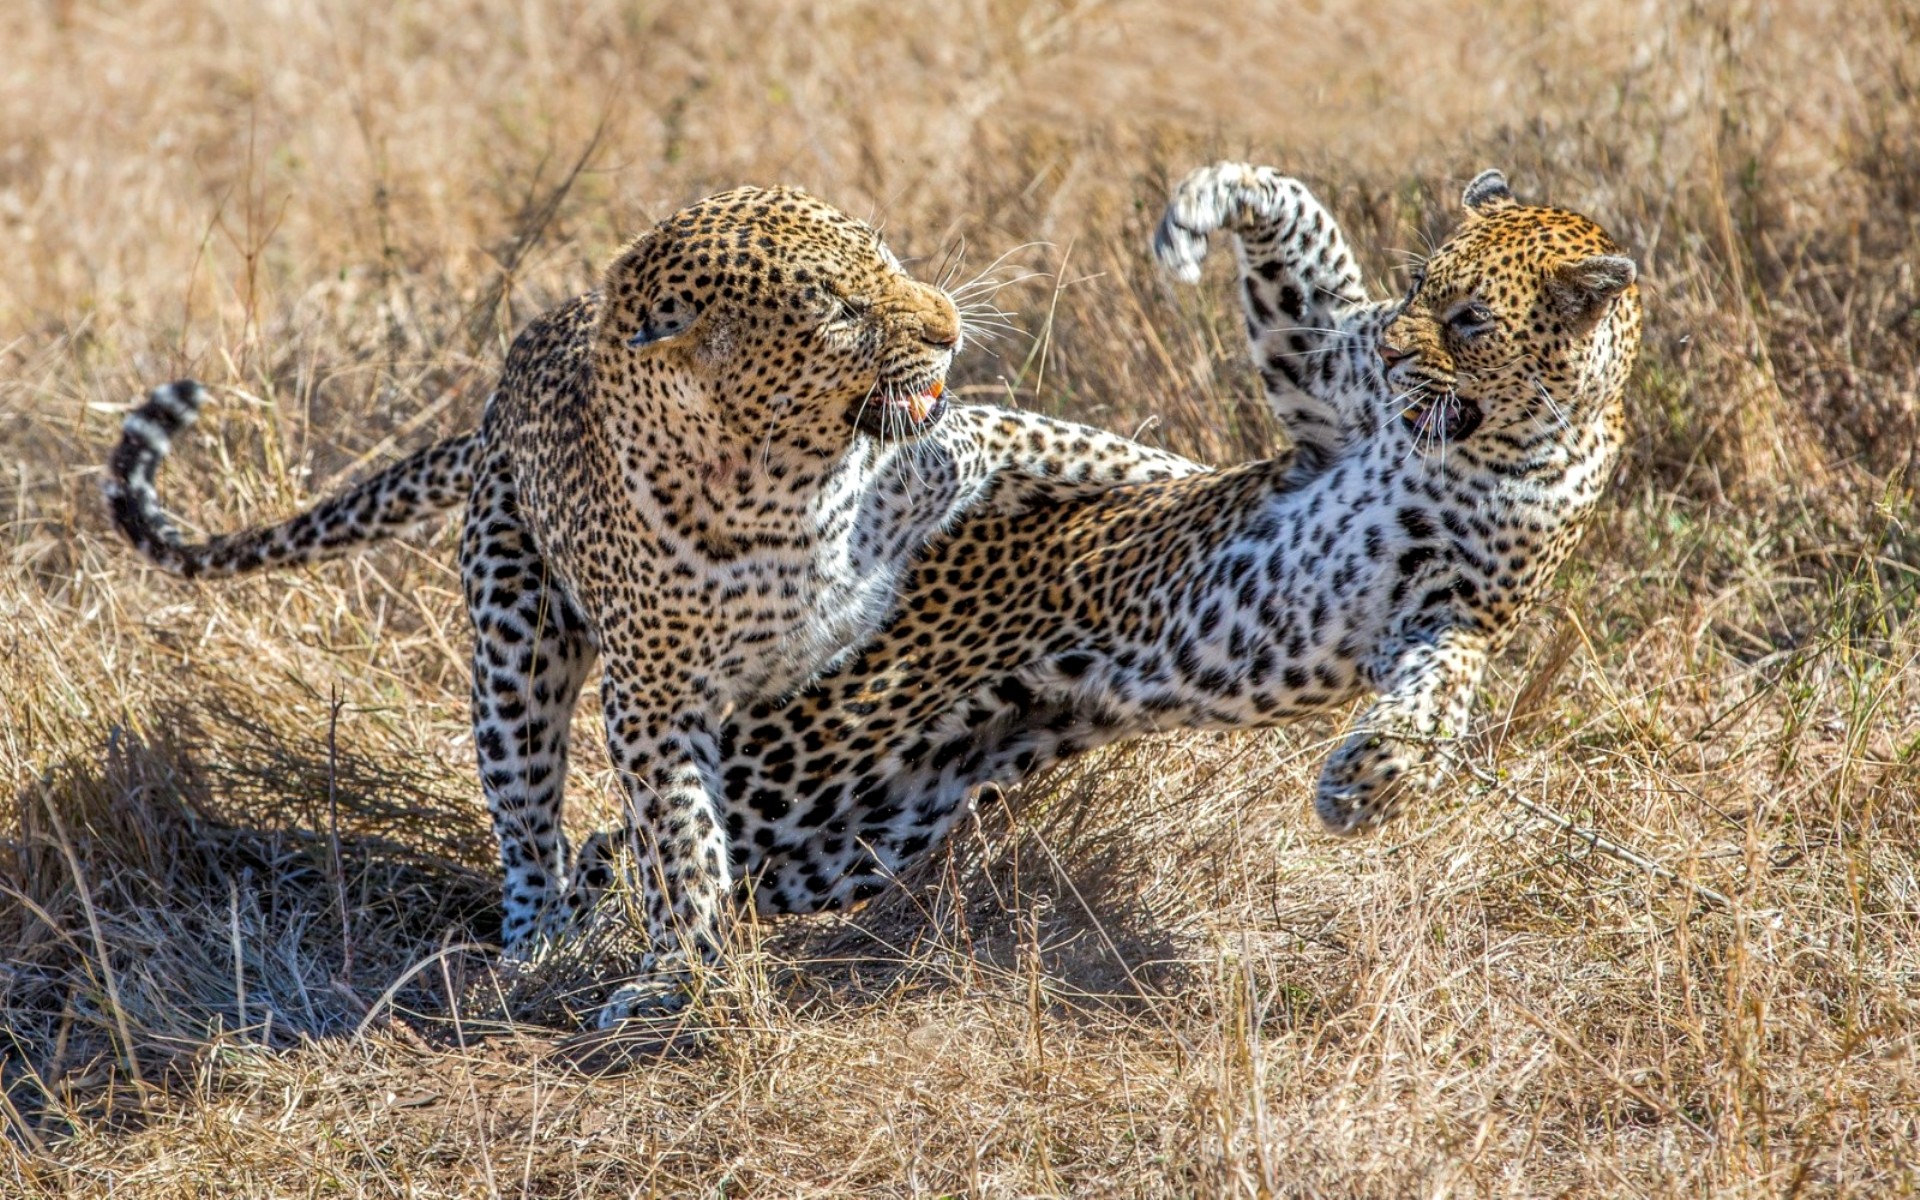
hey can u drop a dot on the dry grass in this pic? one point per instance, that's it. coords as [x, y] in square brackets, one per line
[1157, 978]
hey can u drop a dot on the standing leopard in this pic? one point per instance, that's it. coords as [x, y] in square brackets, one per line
[1448, 448]
[710, 475]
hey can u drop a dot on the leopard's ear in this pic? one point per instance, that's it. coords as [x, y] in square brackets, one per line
[646, 305]
[1487, 194]
[1582, 290]
[660, 323]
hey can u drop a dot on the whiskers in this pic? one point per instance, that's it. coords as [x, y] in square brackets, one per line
[981, 320]
[1336, 340]
[764, 460]
[983, 278]
[1561, 419]
[979, 316]
[914, 451]
[860, 413]
[900, 436]
[1434, 429]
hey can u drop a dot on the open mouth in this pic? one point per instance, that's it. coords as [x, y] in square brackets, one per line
[1442, 419]
[891, 413]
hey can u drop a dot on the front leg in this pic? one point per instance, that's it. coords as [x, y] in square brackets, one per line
[1310, 326]
[663, 745]
[1016, 460]
[1407, 735]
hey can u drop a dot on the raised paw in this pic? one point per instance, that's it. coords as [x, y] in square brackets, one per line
[1365, 783]
[1212, 198]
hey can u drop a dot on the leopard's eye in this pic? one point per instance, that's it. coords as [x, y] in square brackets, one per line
[849, 310]
[1470, 321]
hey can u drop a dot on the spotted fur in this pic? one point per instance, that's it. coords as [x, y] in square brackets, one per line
[1448, 449]
[708, 478]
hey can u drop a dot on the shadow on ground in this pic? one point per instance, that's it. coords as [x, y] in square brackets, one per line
[184, 888]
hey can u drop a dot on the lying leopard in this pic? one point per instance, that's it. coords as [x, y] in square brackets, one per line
[710, 475]
[1448, 449]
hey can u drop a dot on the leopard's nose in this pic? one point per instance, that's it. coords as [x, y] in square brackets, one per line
[941, 328]
[1391, 355]
[934, 312]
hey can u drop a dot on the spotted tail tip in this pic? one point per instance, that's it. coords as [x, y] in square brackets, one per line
[168, 408]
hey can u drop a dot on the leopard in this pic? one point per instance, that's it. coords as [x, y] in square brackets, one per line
[709, 478]
[1447, 448]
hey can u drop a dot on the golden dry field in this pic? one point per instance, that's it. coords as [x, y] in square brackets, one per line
[1671, 948]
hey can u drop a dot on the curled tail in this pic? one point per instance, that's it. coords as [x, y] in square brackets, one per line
[425, 484]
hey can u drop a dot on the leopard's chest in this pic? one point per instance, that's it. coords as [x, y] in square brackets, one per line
[838, 584]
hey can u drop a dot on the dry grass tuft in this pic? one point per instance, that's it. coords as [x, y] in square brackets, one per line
[1149, 975]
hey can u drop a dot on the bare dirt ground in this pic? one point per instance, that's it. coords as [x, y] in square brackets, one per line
[1150, 975]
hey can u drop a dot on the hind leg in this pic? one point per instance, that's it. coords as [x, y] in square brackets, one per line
[593, 872]
[531, 654]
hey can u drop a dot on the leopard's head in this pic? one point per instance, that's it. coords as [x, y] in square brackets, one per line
[779, 320]
[1521, 327]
